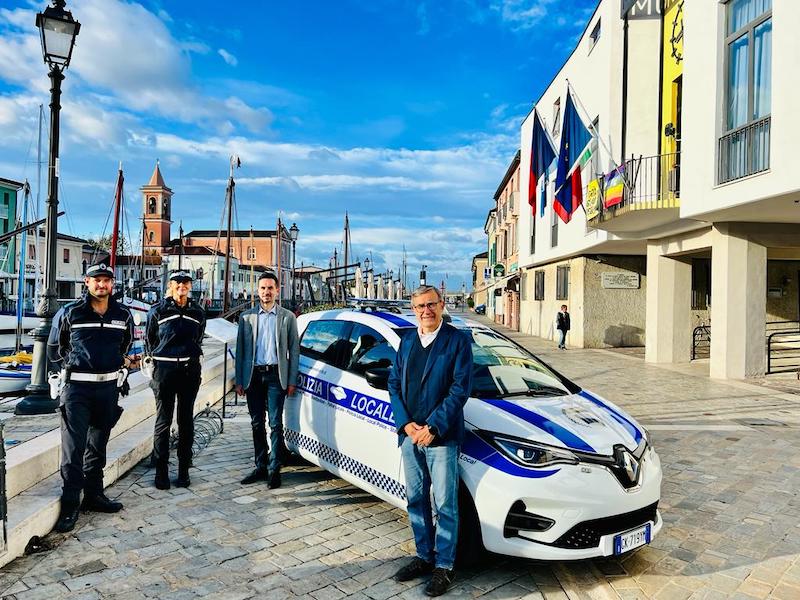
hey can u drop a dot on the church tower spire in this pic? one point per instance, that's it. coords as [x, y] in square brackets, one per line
[157, 211]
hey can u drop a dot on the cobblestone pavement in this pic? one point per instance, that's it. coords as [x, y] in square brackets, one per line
[730, 504]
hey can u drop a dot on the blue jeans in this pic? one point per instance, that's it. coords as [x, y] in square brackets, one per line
[435, 467]
[265, 397]
[562, 338]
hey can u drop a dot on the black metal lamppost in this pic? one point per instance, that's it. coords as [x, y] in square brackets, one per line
[58, 31]
[294, 231]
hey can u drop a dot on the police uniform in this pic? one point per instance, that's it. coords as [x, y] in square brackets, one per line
[173, 340]
[90, 348]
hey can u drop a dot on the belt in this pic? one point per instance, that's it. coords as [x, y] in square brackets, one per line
[266, 368]
[177, 360]
[94, 377]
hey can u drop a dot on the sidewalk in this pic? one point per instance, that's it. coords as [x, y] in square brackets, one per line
[731, 458]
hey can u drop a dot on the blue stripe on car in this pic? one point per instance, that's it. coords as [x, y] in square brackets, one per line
[351, 400]
[480, 450]
[563, 435]
[619, 418]
[393, 319]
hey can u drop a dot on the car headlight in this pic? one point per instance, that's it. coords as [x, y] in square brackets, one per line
[532, 454]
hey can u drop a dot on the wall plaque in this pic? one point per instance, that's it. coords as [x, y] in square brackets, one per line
[620, 280]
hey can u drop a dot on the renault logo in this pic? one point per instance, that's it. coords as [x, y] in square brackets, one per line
[631, 466]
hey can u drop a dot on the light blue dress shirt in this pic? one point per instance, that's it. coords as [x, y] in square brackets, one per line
[266, 336]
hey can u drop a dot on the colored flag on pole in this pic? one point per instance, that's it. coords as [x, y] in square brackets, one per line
[574, 153]
[542, 155]
[615, 187]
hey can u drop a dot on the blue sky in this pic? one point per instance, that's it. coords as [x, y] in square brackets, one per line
[403, 113]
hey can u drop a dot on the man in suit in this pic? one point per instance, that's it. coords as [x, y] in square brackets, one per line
[429, 384]
[267, 355]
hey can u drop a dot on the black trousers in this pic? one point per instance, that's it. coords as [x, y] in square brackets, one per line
[89, 412]
[171, 380]
[265, 398]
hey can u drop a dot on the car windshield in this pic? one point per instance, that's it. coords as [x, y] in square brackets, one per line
[502, 369]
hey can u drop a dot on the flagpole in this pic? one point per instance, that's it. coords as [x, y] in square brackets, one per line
[597, 134]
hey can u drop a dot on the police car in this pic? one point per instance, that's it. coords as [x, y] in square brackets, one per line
[549, 470]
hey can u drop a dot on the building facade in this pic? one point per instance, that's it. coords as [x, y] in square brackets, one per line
[9, 190]
[480, 265]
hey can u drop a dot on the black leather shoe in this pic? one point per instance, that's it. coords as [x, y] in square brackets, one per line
[67, 517]
[256, 475]
[162, 479]
[182, 480]
[274, 480]
[416, 568]
[440, 582]
[101, 503]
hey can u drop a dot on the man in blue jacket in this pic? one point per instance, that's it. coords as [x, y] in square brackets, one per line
[429, 385]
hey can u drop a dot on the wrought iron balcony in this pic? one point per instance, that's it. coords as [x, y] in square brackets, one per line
[651, 184]
[744, 151]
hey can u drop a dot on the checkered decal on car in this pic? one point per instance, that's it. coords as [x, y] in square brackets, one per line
[346, 463]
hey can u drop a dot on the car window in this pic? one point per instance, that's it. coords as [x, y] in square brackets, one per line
[370, 350]
[327, 341]
[500, 367]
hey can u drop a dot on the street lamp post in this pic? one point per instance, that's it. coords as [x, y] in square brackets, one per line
[294, 231]
[58, 30]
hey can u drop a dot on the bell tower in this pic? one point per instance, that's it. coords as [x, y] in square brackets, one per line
[157, 210]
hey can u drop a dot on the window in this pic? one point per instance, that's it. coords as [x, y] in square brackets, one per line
[6, 198]
[562, 283]
[538, 285]
[66, 255]
[370, 350]
[151, 236]
[557, 117]
[251, 253]
[744, 149]
[31, 251]
[701, 283]
[327, 341]
[151, 205]
[594, 37]
[523, 286]
[165, 209]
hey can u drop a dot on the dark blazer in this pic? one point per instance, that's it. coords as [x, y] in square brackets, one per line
[562, 321]
[446, 384]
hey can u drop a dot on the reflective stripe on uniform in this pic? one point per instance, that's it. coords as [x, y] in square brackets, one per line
[168, 359]
[94, 377]
[165, 319]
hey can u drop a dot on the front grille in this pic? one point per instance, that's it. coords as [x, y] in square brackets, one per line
[588, 533]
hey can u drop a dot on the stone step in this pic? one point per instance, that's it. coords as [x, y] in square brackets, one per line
[34, 510]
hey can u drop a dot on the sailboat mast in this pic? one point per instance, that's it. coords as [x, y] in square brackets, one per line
[346, 254]
[117, 210]
[229, 206]
[180, 246]
[21, 275]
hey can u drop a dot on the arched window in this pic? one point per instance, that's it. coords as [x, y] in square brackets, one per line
[151, 205]
[165, 209]
[151, 236]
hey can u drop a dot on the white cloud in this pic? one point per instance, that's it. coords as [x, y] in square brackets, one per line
[522, 14]
[338, 182]
[228, 57]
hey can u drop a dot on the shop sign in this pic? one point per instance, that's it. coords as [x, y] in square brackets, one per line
[514, 267]
[620, 280]
[499, 270]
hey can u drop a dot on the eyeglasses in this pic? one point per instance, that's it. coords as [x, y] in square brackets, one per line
[428, 305]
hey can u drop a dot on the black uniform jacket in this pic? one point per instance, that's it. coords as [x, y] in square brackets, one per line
[174, 331]
[83, 341]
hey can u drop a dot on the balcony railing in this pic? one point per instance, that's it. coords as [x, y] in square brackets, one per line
[744, 151]
[650, 182]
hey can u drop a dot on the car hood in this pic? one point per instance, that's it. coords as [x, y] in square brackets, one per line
[583, 421]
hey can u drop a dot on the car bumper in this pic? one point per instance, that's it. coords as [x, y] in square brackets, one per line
[583, 501]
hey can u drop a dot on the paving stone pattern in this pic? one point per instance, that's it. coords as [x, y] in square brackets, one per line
[730, 504]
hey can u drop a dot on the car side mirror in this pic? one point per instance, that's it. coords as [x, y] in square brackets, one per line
[378, 377]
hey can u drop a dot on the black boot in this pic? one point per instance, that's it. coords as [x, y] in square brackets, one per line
[70, 509]
[274, 479]
[162, 477]
[99, 502]
[183, 476]
[256, 475]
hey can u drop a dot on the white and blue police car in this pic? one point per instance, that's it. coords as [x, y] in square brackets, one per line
[549, 470]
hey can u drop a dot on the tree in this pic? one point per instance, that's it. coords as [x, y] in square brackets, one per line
[102, 243]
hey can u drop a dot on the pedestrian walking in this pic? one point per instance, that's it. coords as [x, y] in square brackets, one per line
[89, 342]
[267, 357]
[562, 326]
[173, 340]
[428, 386]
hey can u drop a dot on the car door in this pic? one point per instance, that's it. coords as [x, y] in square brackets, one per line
[308, 413]
[363, 427]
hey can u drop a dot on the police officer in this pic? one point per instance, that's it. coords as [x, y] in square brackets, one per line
[175, 328]
[89, 341]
